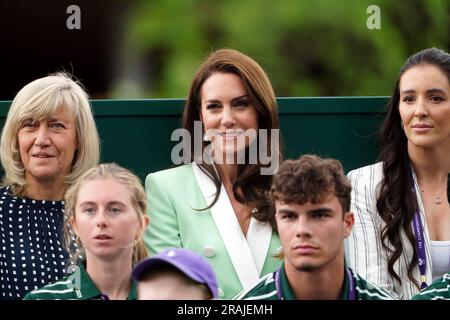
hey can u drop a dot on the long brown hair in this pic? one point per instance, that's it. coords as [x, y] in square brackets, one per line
[250, 187]
[396, 203]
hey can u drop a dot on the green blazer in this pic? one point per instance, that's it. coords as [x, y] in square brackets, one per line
[174, 195]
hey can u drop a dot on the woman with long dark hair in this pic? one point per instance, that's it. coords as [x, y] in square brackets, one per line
[212, 204]
[401, 238]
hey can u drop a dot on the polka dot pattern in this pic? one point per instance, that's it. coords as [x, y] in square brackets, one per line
[32, 253]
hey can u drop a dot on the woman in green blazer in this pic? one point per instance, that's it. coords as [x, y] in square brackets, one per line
[215, 204]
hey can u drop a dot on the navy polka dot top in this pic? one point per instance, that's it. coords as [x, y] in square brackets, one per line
[32, 253]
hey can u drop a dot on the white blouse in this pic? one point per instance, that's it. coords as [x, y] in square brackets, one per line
[440, 253]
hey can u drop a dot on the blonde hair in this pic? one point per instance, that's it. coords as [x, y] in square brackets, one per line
[138, 201]
[36, 101]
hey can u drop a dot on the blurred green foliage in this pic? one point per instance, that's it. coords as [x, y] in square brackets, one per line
[308, 48]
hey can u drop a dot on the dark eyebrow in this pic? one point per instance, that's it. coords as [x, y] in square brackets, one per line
[320, 210]
[212, 101]
[232, 100]
[440, 91]
[428, 91]
[286, 211]
[239, 98]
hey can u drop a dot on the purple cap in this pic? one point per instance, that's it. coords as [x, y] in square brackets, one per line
[188, 262]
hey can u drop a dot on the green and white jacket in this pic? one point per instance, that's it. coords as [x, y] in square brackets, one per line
[266, 289]
[438, 290]
[76, 286]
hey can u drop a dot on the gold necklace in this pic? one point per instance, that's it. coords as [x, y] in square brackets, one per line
[437, 199]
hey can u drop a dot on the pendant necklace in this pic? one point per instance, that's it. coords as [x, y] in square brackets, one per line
[437, 199]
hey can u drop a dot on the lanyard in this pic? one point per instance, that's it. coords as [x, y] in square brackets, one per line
[278, 284]
[351, 284]
[420, 245]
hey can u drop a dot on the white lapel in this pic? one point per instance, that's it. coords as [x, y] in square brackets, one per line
[247, 255]
[259, 235]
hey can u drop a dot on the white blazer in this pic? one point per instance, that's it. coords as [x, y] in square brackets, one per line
[364, 249]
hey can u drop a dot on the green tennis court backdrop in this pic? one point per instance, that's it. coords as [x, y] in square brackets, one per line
[137, 133]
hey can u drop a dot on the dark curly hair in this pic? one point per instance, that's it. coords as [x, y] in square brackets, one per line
[395, 203]
[310, 178]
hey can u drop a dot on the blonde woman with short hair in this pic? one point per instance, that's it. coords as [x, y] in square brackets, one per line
[49, 139]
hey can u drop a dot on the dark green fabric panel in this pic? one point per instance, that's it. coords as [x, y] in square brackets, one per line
[136, 133]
